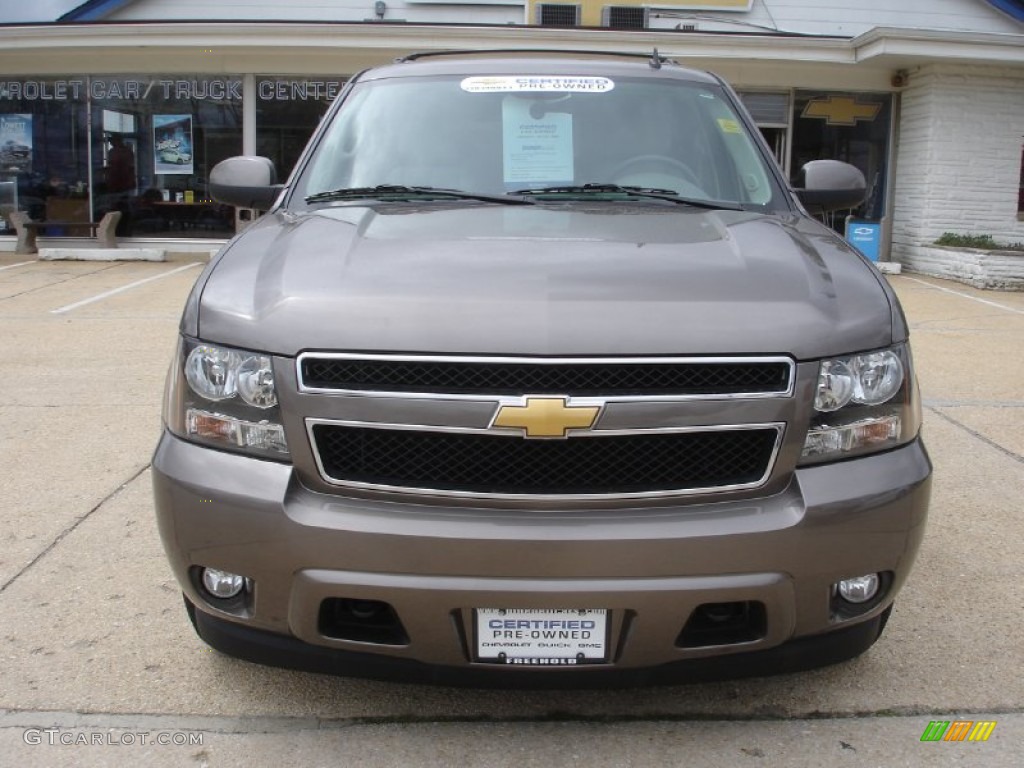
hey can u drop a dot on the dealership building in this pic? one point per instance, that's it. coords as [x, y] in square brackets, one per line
[127, 104]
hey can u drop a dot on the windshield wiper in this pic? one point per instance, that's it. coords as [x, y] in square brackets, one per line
[402, 192]
[646, 192]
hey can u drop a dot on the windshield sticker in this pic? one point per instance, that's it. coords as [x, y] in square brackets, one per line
[729, 126]
[537, 145]
[544, 83]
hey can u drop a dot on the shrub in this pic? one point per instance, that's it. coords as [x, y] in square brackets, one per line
[985, 242]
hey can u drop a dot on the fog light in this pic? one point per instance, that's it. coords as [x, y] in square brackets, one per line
[860, 589]
[222, 584]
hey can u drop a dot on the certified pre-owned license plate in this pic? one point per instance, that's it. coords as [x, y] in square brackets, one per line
[549, 637]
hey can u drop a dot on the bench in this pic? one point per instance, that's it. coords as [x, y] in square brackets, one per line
[27, 230]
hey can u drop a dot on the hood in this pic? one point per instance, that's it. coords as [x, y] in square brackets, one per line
[568, 279]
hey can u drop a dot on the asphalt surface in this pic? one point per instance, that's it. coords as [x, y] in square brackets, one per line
[99, 666]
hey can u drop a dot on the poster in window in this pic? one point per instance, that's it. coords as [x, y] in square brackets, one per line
[172, 144]
[537, 150]
[16, 143]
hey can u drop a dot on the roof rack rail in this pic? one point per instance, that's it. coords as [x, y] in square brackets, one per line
[656, 59]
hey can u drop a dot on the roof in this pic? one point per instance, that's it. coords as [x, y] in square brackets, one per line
[1014, 8]
[350, 47]
[94, 10]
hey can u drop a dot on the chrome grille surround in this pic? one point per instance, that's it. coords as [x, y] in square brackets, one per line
[768, 462]
[492, 403]
[783, 365]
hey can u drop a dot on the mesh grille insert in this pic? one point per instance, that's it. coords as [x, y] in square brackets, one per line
[502, 378]
[490, 464]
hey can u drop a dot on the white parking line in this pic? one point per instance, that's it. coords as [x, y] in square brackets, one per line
[966, 296]
[122, 289]
[19, 264]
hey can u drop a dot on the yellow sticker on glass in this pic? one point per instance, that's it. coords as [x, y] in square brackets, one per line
[729, 126]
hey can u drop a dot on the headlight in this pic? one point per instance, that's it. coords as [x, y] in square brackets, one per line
[211, 372]
[255, 382]
[215, 373]
[863, 403]
[870, 379]
[225, 398]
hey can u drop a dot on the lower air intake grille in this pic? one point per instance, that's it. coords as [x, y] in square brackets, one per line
[490, 464]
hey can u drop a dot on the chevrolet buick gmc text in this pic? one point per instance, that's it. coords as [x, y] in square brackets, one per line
[538, 372]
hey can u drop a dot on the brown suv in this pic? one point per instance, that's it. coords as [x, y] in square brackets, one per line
[538, 372]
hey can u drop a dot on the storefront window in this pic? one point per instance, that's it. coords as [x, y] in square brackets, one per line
[770, 110]
[288, 110]
[44, 156]
[73, 148]
[155, 139]
[1020, 192]
[852, 127]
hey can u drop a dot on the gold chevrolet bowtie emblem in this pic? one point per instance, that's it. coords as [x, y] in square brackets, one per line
[546, 416]
[841, 110]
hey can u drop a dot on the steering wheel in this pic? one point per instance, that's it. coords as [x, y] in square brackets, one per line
[659, 164]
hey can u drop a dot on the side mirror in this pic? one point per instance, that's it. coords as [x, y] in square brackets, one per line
[247, 181]
[829, 185]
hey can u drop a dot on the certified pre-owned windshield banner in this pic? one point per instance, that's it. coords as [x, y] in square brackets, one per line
[535, 84]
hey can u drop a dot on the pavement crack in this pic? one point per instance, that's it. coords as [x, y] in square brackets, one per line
[939, 403]
[58, 282]
[988, 441]
[71, 528]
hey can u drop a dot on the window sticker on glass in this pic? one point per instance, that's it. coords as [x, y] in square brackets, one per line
[545, 83]
[537, 145]
[729, 126]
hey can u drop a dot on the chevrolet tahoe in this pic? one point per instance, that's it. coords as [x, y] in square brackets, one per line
[537, 371]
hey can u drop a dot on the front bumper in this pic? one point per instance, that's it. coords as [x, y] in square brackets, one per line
[650, 566]
[273, 649]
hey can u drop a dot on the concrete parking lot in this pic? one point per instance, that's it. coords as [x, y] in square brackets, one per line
[100, 665]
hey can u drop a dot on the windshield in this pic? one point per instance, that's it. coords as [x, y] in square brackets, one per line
[555, 136]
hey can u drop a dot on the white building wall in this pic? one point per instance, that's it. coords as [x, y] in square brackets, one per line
[849, 18]
[485, 12]
[958, 158]
[846, 18]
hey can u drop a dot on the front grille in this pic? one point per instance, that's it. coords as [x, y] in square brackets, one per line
[597, 379]
[503, 465]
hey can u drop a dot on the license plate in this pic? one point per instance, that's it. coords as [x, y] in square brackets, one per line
[546, 637]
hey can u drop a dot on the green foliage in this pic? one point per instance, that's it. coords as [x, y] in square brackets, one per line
[985, 242]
